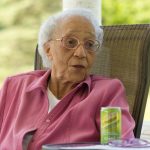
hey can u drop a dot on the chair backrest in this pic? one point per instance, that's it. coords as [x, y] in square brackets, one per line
[125, 54]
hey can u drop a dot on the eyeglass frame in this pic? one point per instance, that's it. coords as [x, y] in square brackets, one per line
[79, 43]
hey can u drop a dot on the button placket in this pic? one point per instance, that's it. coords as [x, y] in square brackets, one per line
[48, 121]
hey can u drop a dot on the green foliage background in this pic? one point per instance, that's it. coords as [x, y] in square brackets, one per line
[125, 11]
[19, 24]
[20, 21]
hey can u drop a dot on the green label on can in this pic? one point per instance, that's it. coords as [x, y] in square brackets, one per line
[110, 124]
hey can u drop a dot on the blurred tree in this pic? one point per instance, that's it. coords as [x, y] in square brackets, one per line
[26, 12]
[19, 25]
[125, 12]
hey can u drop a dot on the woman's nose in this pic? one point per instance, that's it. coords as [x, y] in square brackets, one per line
[80, 51]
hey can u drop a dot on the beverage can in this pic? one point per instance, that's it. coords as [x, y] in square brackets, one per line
[110, 124]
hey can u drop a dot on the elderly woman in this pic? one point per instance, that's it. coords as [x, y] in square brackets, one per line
[61, 104]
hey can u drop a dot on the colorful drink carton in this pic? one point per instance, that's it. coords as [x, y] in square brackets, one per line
[110, 124]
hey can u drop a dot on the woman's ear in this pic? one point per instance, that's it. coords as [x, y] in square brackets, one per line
[47, 49]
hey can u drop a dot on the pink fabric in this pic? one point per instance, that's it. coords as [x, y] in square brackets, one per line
[76, 118]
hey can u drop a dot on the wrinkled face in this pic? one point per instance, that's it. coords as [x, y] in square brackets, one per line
[72, 65]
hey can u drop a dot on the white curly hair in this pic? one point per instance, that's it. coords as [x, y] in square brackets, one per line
[47, 28]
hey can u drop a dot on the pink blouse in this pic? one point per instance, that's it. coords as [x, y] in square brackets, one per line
[76, 118]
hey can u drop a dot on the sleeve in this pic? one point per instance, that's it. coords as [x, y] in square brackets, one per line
[115, 96]
[3, 94]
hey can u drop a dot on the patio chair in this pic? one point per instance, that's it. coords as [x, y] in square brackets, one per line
[125, 54]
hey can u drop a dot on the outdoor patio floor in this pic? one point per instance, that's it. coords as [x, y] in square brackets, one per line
[145, 134]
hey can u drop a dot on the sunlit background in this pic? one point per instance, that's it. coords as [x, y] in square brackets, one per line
[20, 21]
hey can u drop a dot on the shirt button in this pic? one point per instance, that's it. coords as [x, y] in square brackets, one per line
[47, 120]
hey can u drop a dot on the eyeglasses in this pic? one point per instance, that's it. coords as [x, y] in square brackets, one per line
[72, 43]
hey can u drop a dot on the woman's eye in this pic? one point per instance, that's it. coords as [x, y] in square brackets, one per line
[89, 44]
[71, 43]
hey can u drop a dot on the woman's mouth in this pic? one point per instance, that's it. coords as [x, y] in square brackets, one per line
[78, 66]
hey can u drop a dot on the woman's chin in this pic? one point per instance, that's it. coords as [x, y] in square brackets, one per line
[77, 77]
